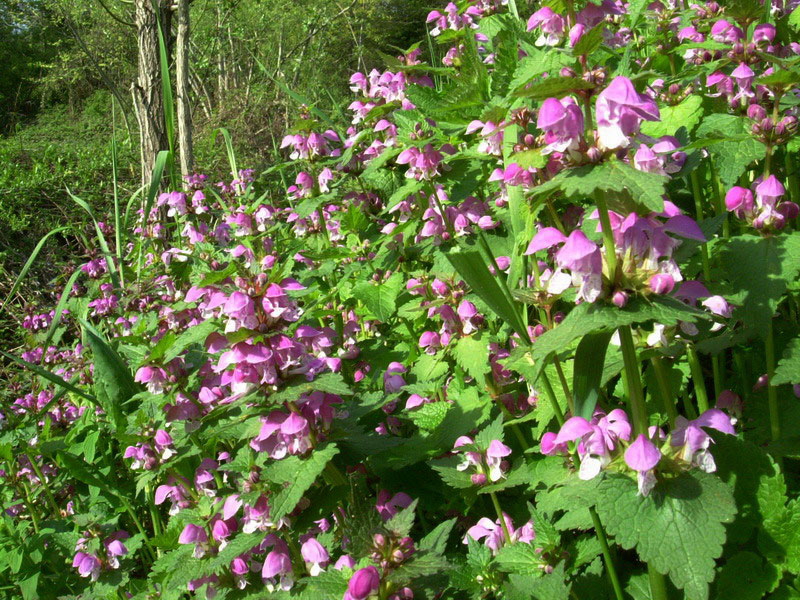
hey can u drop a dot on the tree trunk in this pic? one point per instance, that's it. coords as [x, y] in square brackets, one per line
[147, 92]
[182, 89]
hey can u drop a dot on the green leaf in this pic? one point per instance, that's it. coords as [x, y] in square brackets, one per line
[629, 188]
[588, 372]
[330, 383]
[296, 475]
[436, 540]
[745, 577]
[592, 318]
[779, 534]
[429, 367]
[686, 114]
[380, 299]
[554, 86]
[758, 271]
[788, 369]
[589, 41]
[429, 416]
[539, 62]
[113, 382]
[400, 524]
[472, 355]
[552, 586]
[470, 265]
[518, 558]
[794, 19]
[746, 469]
[82, 471]
[737, 149]
[196, 334]
[678, 529]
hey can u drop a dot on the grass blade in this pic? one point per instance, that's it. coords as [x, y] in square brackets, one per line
[51, 377]
[117, 215]
[28, 263]
[62, 301]
[229, 149]
[112, 267]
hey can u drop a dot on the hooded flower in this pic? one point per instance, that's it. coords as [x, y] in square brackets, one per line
[642, 456]
[620, 111]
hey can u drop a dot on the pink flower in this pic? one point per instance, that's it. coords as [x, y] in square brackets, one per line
[642, 456]
[278, 565]
[363, 584]
[393, 379]
[552, 26]
[562, 121]
[88, 565]
[620, 111]
[315, 556]
[695, 441]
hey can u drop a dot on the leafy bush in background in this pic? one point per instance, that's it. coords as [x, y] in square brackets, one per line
[525, 327]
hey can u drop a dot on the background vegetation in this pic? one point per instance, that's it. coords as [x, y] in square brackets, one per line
[63, 59]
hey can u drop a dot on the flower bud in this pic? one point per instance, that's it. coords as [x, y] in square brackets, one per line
[478, 478]
[662, 283]
[756, 112]
[619, 299]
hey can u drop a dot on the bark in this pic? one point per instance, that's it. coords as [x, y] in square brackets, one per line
[146, 89]
[183, 88]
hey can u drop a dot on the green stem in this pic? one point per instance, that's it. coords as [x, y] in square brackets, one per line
[663, 388]
[634, 381]
[155, 516]
[658, 585]
[45, 485]
[138, 523]
[610, 569]
[501, 281]
[31, 506]
[697, 377]
[500, 516]
[719, 375]
[772, 391]
[640, 422]
[608, 238]
[791, 176]
[716, 185]
[698, 206]
[564, 384]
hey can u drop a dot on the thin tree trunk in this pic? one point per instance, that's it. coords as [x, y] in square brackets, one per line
[147, 91]
[182, 89]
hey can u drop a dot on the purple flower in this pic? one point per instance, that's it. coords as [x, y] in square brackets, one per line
[492, 532]
[88, 565]
[194, 534]
[278, 565]
[393, 379]
[769, 191]
[562, 122]
[642, 456]
[363, 584]
[315, 556]
[495, 454]
[551, 24]
[620, 111]
[662, 283]
[695, 441]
